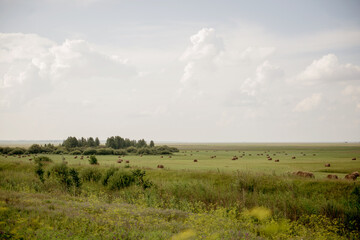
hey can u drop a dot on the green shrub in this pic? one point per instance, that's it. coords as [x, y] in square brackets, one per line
[91, 174]
[5, 150]
[146, 151]
[75, 177]
[104, 151]
[39, 171]
[90, 151]
[131, 149]
[76, 152]
[62, 175]
[108, 174]
[42, 159]
[120, 152]
[60, 151]
[93, 160]
[165, 149]
[120, 180]
[16, 151]
[139, 179]
[35, 148]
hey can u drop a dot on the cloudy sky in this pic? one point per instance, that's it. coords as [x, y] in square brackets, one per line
[180, 70]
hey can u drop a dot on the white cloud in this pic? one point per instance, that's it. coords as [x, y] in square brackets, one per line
[351, 90]
[32, 66]
[353, 93]
[257, 53]
[205, 48]
[18, 46]
[204, 45]
[308, 103]
[328, 68]
[266, 75]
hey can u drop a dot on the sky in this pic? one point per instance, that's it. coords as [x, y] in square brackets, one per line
[180, 70]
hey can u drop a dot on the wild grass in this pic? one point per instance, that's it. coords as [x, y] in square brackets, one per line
[193, 203]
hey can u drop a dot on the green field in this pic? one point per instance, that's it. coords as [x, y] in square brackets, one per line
[214, 198]
[308, 157]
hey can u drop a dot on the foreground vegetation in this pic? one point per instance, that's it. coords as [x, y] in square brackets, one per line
[109, 200]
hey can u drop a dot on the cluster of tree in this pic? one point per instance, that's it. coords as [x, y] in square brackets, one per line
[117, 142]
[73, 142]
[140, 148]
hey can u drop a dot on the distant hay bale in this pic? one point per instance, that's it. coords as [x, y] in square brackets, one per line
[351, 177]
[304, 174]
[332, 176]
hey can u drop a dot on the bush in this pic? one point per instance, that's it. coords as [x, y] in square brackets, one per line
[16, 151]
[35, 148]
[62, 175]
[104, 151]
[75, 177]
[89, 151]
[139, 179]
[108, 174]
[131, 149]
[76, 152]
[120, 180]
[39, 171]
[93, 160]
[120, 152]
[146, 151]
[5, 150]
[91, 174]
[60, 151]
[42, 159]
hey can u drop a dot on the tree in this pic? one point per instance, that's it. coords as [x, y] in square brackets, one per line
[71, 142]
[152, 144]
[127, 142]
[91, 142]
[35, 148]
[110, 142]
[97, 142]
[119, 142]
[82, 142]
[141, 143]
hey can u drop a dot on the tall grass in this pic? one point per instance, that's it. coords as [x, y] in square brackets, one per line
[202, 196]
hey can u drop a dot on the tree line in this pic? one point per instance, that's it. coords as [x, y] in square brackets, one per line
[114, 145]
[117, 142]
[73, 142]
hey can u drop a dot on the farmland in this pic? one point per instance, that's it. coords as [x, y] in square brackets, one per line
[250, 197]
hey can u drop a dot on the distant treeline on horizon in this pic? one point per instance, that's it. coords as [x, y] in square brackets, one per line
[114, 145]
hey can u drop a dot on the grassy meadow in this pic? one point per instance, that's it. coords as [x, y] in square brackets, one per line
[214, 198]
